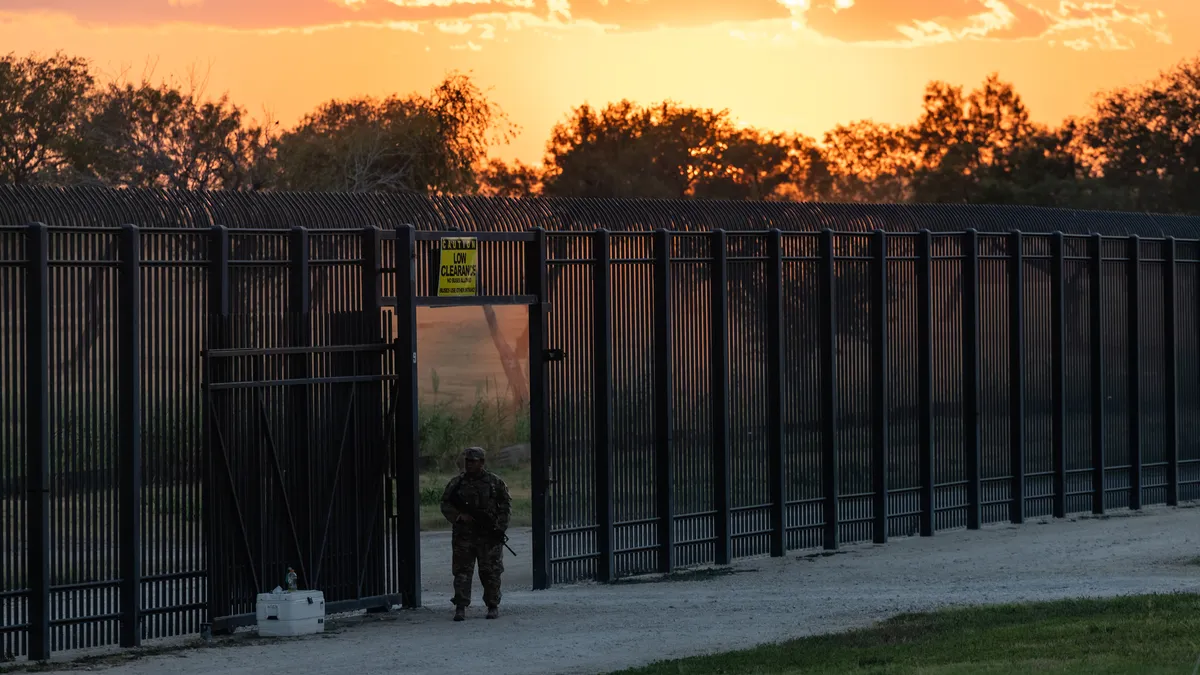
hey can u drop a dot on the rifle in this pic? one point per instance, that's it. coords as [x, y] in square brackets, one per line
[482, 521]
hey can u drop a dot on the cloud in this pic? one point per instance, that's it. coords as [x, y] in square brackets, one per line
[301, 14]
[1076, 24]
[1079, 24]
[923, 20]
[1105, 24]
[272, 14]
[636, 15]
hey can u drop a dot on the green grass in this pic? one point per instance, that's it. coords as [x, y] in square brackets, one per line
[445, 427]
[1143, 634]
[517, 478]
[448, 426]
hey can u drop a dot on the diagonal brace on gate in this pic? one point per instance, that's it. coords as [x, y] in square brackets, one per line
[287, 503]
[223, 452]
[349, 415]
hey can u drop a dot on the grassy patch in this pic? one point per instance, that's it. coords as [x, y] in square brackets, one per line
[1143, 634]
[517, 478]
[446, 426]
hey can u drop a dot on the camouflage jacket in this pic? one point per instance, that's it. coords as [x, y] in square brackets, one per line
[486, 492]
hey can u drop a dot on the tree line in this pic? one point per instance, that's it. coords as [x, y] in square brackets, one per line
[1136, 148]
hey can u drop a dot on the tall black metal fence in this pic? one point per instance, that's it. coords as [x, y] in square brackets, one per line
[102, 436]
[725, 392]
[738, 394]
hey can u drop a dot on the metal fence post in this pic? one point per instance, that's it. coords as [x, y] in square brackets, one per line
[370, 471]
[970, 377]
[774, 402]
[1133, 369]
[879, 386]
[925, 381]
[1016, 377]
[218, 312]
[719, 371]
[130, 385]
[827, 327]
[1096, 312]
[663, 389]
[602, 404]
[408, 450]
[1058, 384]
[1170, 307]
[299, 305]
[37, 437]
[536, 282]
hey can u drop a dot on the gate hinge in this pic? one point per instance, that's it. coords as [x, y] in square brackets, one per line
[552, 355]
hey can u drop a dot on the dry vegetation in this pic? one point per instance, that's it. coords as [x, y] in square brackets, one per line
[465, 400]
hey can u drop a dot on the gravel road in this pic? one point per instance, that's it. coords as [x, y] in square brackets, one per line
[590, 628]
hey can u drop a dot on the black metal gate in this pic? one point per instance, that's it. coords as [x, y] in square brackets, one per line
[300, 418]
[313, 453]
[297, 443]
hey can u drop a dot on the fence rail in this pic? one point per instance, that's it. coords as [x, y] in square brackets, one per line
[724, 394]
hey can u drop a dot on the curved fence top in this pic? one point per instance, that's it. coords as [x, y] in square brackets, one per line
[98, 206]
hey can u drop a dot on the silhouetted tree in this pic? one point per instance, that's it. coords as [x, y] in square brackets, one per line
[148, 135]
[868, 162]
[667, 150]
[434, 144]
[42, 104]
[1138, 147]
[499, 179]
[751, 164]
[1144, 141]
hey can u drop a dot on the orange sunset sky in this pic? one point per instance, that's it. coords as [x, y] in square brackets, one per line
[803, 65]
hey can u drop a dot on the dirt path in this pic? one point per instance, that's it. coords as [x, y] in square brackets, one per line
[593, 629]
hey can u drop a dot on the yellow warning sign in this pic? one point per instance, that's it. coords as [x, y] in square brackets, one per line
[458, 270]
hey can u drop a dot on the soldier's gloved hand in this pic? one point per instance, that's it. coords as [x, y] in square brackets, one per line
[464, 518]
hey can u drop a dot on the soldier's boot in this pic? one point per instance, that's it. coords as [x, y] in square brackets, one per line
[493, 612]
[460, 613]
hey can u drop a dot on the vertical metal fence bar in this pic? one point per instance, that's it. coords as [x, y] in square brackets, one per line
[130, 386]
[879, 386]
[539, 440]
[1133, 369]
[775, 370]
[1170, 307]
[219, 598]
[1096, 313]
[1016, 375]
[299, 305]
[371, 458]
[37, 437]
[970, 374]
[663, 422]
[407, 432]
[723, 546]
[602, 405]
[829, 401]
[925, 380]
[1058, 375]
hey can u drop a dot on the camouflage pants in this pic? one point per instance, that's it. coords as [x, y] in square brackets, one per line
[467, 550]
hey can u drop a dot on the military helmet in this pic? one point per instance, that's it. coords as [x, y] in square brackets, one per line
[473, 452]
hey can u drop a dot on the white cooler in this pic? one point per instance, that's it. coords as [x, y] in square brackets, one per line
[296, 613]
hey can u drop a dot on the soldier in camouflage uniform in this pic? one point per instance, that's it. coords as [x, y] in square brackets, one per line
[483, 490]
